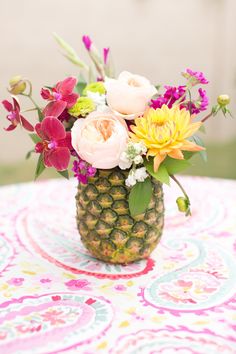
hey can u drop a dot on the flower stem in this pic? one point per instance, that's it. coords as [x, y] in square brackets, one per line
[207, 117]
[29, 110]
[31, 99]
[180, 186]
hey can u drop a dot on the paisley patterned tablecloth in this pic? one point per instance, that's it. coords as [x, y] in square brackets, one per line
[54, 297]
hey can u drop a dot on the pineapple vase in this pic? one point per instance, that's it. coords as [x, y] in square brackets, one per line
[104, 222]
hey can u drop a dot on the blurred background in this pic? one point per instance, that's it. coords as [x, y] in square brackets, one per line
[154, 38]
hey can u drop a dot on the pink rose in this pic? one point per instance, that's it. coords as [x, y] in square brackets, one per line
[129, 94]
[99, 139]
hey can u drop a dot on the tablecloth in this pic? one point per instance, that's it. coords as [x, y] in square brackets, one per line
[54, 297]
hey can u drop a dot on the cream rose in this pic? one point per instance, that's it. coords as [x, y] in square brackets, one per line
[129, 94]
[99, 139]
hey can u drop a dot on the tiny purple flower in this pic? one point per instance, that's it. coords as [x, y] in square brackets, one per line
[82, 170]
[105, 54]
[195, 77]
[87, 42]
[91, 171]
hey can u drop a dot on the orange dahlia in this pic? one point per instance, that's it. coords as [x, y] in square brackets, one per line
[165, 131]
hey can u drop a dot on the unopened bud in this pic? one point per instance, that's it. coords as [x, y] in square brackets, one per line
[17, 85]
[183, 204]
[223, 100]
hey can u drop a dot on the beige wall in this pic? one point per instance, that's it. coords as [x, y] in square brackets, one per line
[156, 38]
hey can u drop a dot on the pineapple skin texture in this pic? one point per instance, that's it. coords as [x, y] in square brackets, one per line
[105, 225]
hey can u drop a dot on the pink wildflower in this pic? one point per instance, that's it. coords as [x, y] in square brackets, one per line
[55, 145]
[200, 104]
[195, 77]
[87, 42]
[171, 95]
[61, 97]
[105, 54]
[15, 117]
[82, 171]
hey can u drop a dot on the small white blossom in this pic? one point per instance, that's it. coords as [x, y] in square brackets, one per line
[124, 162]
[140, 148]
[99, 100]
[138, 160]
[140, 174]
[131, 180]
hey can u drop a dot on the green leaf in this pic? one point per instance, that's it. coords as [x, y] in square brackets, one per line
[40, 167]
[70, 53]
[202, 129]
[188, 154]
[199, 142]
[28, 155]
[40, 114]
[81, 78]
[35, 138]
[64, 173]
[64, 45]
[162, 173]
[80, 87]
[140, 196]
[174, 166]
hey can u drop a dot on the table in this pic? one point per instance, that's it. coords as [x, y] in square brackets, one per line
[54, 297]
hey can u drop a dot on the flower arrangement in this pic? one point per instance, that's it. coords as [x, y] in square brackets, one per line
[124, 124]
[108, 122]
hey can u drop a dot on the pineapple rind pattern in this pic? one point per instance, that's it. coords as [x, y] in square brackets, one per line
[105, 225]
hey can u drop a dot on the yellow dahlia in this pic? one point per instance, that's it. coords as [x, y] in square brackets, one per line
[164, 131]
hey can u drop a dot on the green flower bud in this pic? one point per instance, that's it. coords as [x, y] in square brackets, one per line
[223, 100]
[95, 87]
[83, 106]
[17, 85]
[183, 204]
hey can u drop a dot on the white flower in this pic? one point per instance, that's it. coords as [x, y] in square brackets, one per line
[138, 160]
[140, 174]
[130, 181]
[124, 162]
[140, 148]
[99, 100]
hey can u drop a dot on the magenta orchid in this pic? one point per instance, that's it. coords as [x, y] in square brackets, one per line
[61, 97]
[15, 117]
[55, 144]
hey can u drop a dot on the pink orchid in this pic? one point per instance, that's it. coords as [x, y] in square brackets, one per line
[105, 54]
[55, 145]
[15, 117]
[87, 42]
[61, 97]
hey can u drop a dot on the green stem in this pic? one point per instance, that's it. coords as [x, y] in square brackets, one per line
[31, 99]
[180, 186]
[29, 110]
[207, 117]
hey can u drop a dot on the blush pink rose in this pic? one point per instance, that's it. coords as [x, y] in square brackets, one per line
[129, 94]
[100, 139]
